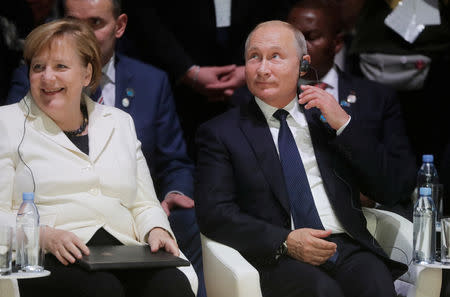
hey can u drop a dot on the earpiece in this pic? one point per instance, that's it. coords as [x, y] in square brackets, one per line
[304, 66]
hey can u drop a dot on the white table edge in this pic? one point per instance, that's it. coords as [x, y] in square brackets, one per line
[24, 275]
[435, 265]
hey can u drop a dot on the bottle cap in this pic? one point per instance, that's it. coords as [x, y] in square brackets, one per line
[427, 158]
[28, 196]
[425, 191]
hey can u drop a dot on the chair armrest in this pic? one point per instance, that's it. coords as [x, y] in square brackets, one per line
[395, 235]
[226, 272]
[190, 274]
[393, 232]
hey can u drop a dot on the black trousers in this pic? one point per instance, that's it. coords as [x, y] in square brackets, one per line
[356, 273]
[74, 281]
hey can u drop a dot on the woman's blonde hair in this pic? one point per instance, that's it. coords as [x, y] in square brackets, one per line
[84, 39]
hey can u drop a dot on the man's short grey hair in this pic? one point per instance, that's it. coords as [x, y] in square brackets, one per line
[300, 42]
[116, 6]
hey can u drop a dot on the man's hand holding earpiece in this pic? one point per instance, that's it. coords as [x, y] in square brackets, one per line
[329, 107]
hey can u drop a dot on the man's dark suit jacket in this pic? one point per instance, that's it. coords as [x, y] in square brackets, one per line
[153, 111]
[378, 109]
[240, 192]
[177, 34]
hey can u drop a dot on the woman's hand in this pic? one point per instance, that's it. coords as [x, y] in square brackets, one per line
[159, 238]
[64, 245]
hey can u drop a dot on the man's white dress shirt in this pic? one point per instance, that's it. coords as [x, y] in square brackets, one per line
[108, 82]
[299, 127]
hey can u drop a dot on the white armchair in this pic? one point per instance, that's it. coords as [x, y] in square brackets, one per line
[228, 274]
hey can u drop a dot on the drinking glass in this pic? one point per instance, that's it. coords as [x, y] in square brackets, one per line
[6, 233]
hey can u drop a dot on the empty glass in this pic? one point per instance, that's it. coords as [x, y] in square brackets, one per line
[6, 233]
[445, 240]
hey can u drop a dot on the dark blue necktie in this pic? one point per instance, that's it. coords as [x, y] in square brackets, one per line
[303, 209]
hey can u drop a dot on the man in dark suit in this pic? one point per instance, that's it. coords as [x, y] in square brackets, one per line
[144, 92]
[374, 104]
[200, 44]
[279, 180]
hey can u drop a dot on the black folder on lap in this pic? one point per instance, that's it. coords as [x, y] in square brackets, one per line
[128, 257]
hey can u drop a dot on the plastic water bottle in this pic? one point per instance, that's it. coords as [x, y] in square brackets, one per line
[27, 235]
[424, 238]
[428, 177]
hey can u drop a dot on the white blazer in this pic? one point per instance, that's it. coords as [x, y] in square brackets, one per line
[110, 188]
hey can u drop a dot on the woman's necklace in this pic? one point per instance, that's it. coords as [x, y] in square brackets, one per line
[83, 125]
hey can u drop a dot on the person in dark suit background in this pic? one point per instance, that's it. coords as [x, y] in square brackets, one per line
[200, 44]
[245, 182]
[374, 104]
[145, 93]
[8, 63]
[420, 63]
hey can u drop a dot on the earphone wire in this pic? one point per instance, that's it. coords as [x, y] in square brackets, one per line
[20, 144]
[408, 260]
[315, 73]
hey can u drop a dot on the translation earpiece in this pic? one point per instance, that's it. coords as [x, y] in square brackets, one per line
[304, 66]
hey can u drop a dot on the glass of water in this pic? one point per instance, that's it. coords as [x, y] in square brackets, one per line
[6, 233]
[445, 240]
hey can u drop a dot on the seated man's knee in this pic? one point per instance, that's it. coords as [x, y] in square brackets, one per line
[378, 286]
[311, 288]
[368, 276]
[297, 279]
[325, 287]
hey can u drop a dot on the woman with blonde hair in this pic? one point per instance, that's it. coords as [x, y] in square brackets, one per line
[91, 182]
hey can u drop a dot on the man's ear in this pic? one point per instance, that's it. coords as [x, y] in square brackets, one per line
[304, 64]
[339, 42]
[121, 24]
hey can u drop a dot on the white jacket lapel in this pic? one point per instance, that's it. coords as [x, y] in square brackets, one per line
[45, 125]
[101, 127]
